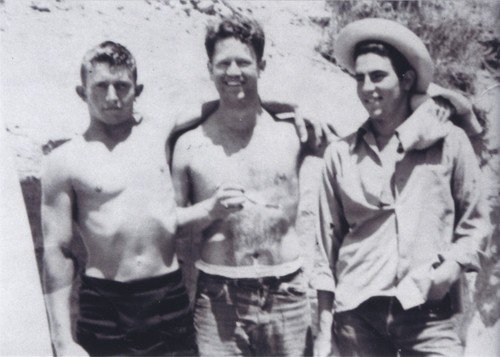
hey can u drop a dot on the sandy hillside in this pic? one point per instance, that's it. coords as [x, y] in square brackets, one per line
[43, 41]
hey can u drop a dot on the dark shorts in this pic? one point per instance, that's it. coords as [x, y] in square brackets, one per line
[144, 317]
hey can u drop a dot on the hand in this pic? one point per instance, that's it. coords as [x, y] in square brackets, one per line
[427, 124]
[438, 108]
[320, 131]
[444, 276]
[227, 199]
[322, 345]
[71, 349]
[443, 109]
[462, 108]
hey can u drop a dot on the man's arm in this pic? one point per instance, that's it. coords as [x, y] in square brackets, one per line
[58, 267]
[313, 133]
[227, 198]
[473, 226]
[433, 115]
[331, 228]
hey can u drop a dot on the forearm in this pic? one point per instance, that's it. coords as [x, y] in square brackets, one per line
[197, 216]
[325, 312]
[58, 282]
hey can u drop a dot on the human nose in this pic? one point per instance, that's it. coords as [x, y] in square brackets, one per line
[111, 95]
[367, 85]
[233, 69]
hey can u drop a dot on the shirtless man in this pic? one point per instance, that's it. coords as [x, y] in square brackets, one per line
[241, 178]
[115, 183]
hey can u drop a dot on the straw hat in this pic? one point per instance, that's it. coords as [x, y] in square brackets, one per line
[393, 33]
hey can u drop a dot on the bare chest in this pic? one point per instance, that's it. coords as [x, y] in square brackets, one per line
[102, 173]
[266, 164]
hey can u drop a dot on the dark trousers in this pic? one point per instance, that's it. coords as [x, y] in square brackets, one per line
[380, 327]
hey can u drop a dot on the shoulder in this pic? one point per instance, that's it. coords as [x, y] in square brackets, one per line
[339, 152]
[458, 148]
[183, 147]
[342, 145]
[457, 141]
[60, 162]
[66, 154]
[456, 134]
[188, 138]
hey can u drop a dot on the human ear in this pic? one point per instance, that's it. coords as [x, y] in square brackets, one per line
[210, 68]
[408, 79]
[262, 65]
[138, 89]
[80, 90]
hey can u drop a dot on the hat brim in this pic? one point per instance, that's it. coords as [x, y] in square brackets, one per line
[392, 33]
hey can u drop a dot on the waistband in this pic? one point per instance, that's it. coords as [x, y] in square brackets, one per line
[382, 303]
[250, 271]
[250, 282]
[138, 285]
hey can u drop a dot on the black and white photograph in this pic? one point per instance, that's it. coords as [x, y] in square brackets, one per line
[250, 178]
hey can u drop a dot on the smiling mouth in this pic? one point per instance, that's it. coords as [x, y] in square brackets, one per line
[372, 100]
[233, 83]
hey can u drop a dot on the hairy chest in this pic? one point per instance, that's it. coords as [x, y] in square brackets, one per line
[267, 165]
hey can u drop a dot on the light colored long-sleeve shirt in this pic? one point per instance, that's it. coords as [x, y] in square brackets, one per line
[382, 225]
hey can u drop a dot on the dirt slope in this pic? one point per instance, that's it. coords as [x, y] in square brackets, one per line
[43, 41]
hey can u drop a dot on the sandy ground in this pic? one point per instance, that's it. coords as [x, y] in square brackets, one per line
[43, 42]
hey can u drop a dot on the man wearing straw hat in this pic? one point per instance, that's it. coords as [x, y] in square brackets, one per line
[400, 218]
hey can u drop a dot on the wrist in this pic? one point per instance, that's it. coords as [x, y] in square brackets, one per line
[208, 207]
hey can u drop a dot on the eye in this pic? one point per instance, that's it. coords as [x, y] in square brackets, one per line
[377, 76]
[122, 86]
[359, 78]
[101, 85]
[243, 63]
[223, 64]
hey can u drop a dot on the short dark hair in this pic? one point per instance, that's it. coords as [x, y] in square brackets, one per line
[398, 61]
[109, 52]
[240, 27]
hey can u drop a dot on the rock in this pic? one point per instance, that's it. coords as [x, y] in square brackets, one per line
[206, 7]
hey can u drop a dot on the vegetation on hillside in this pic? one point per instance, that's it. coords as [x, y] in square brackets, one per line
[459, 35]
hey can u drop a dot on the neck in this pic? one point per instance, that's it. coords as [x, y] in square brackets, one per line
[239, 115]
[111, 133]
[386, 127]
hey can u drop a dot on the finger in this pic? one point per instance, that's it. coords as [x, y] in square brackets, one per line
[234, 202]
[329, 132]
[230, 186]
[318, 133]
[300, 125]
